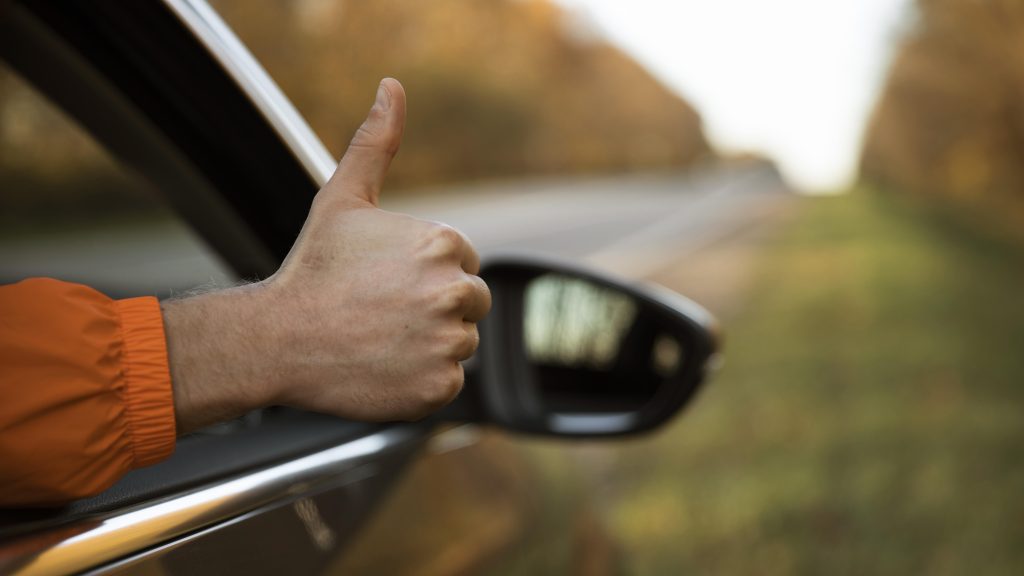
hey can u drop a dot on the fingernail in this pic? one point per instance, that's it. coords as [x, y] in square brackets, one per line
[383, 97]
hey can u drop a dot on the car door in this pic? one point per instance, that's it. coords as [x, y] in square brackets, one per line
[173, 96]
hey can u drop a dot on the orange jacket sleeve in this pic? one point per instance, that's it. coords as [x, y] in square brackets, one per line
[85, 391]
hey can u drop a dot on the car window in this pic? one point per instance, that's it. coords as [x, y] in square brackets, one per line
[70, 211]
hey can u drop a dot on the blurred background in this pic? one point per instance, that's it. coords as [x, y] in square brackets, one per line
[841, 183]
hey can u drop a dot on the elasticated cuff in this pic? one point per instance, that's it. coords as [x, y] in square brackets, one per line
[148, 398]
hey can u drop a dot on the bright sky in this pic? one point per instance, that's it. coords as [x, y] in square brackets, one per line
[794, 79]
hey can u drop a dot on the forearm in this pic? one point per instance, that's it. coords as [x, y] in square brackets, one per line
[220, 356]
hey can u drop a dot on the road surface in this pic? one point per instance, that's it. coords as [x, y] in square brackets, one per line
[630, 225]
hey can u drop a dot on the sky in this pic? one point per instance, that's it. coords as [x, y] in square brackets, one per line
[793, 79]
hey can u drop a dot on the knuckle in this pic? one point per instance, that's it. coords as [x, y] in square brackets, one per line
[454, 343]
[462, 342]
[485, 294]
[455, 296]
[367, 136]
[452, 384]
[446, 240]
[442, 390]
[472, 340]
[375, 134]
[462, 292]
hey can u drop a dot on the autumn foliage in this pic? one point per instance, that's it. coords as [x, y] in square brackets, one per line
[496, 89]
[950, 121]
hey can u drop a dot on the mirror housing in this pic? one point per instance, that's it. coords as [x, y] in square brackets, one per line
[573, 353]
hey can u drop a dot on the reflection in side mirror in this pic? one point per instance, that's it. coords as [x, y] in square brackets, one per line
[568, 352]
[591, 350]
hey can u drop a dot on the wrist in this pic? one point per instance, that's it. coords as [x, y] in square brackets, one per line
[220, 355]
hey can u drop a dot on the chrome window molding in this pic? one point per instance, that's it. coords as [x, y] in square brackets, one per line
[92, 543]
[204, 22]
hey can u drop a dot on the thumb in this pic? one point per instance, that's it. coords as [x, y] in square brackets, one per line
[361, 172]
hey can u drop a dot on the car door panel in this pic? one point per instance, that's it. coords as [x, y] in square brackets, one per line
[298, 532]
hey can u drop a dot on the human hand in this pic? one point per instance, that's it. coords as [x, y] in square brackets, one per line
[381, 307]
[367, 318]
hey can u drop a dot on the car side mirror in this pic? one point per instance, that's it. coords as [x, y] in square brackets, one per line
[568, 352]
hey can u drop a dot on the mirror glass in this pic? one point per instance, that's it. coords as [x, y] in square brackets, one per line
[592, 348]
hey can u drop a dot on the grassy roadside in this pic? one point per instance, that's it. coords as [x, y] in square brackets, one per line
[868, 419]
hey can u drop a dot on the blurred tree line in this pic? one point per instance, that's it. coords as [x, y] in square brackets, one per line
[495, 88]
[950, 120]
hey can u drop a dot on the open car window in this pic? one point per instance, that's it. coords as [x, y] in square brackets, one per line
[155, 188]
[71, 211]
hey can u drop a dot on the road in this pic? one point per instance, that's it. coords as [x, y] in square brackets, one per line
[631, 225]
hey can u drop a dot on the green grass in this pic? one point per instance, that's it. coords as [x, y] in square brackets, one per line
[869, 418]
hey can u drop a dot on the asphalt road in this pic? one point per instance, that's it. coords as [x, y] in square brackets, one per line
[630, 225]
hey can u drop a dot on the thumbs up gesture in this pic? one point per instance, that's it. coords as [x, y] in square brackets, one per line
[367, 318]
